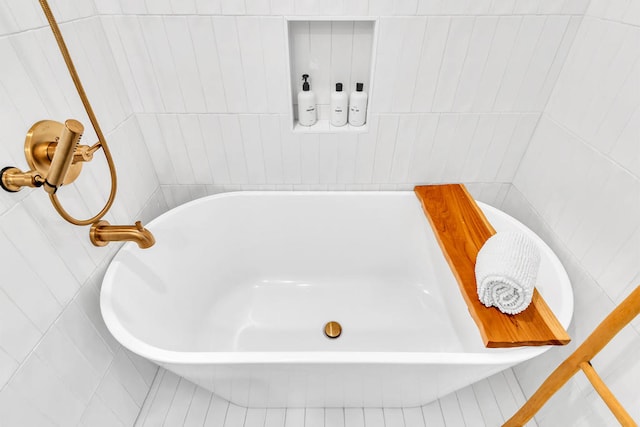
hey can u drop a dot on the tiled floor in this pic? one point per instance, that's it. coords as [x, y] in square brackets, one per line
[174, 401]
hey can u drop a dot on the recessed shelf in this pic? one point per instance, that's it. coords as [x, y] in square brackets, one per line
[330, 51]
[323, 126]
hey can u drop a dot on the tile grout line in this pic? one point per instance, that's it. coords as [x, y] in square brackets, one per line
[148, 400]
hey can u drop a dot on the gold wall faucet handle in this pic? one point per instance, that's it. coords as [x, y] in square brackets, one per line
[13, 179]
[45, 151]
[63, 156]
[83, 153]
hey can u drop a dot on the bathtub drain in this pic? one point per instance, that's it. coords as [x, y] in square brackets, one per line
[332, 329]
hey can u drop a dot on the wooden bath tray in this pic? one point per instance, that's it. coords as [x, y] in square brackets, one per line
[461, 229]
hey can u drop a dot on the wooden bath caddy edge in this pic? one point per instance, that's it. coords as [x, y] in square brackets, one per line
[461, 229]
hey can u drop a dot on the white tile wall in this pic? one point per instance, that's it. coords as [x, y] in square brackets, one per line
[252, 149]
[19, 15]
[75, 370]
[587, 202]
[575, 141]
[576, 403]
[353, 8]
[194, 99]
[625, 11]
[600, 105]
[456, 64]
[58, 363]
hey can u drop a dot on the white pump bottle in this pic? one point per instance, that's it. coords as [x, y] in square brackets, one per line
[339, 106]
[358, 106]
[306, 104]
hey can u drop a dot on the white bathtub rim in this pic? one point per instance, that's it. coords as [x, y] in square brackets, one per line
[509, 356]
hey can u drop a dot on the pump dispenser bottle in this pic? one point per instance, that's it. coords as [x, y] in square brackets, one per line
[339, 106]
[306, 104]
[358, 106]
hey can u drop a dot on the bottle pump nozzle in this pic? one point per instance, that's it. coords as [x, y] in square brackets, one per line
[305, 85]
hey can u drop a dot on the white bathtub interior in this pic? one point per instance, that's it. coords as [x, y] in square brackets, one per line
[246, 281]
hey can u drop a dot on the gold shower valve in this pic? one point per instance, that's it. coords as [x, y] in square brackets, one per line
[55, 157]
[43, 153]
[41, 143]
[40, 146]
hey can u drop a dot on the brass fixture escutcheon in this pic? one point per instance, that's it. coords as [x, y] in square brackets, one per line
[40, 145]
[332, 329]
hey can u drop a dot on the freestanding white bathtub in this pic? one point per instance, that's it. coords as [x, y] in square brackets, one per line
[236, 292]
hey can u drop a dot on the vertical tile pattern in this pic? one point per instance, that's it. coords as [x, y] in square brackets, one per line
[126, 37]
[587, 203]
[253, 63]
[208, 66]
[329, 52]
[197, 64]
[178, 412]
[319, 54]
[261, 149]
[184, 56]
[589, 151]
[272, 34]
[453, 64]
[59, 364]
[163, 63]
[194, 96]
[226, 39]
[36, 382]
[391, 35]
[171, 395]
[454, 57]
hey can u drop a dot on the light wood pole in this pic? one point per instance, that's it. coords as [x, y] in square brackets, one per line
[624, 313]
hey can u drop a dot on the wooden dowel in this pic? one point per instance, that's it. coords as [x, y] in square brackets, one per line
[624, 313]
[609, 398]
[553, 383]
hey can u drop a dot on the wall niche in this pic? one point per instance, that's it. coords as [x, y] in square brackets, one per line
[330, 51]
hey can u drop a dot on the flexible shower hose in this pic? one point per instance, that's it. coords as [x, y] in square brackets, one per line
[102, 143]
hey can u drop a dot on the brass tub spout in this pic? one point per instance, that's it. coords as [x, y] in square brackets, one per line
[102, 233]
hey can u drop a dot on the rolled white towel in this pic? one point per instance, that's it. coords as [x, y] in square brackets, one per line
[506, 270]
